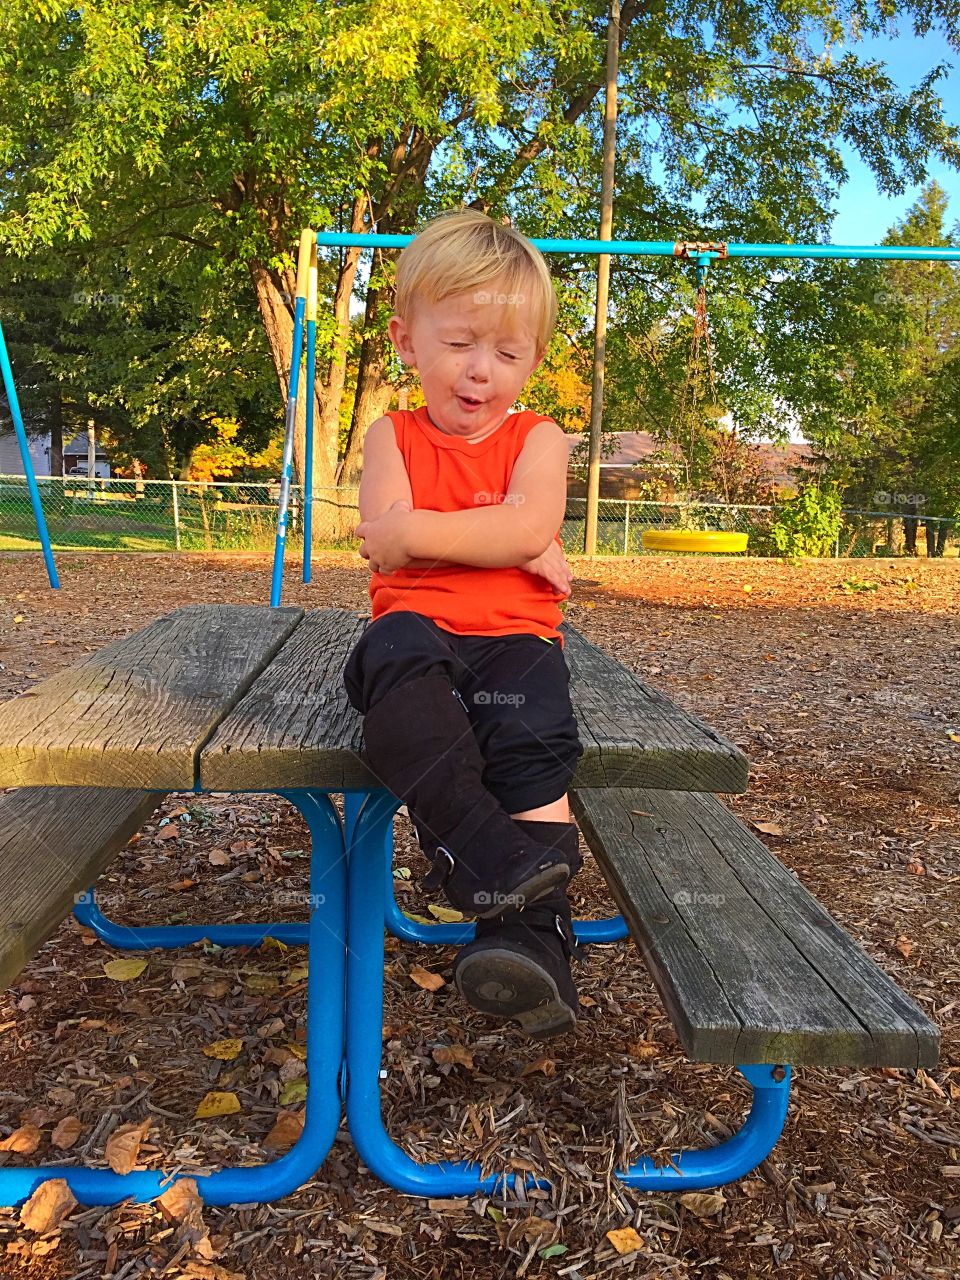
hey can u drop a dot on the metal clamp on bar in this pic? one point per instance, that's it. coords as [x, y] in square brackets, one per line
[693, 248]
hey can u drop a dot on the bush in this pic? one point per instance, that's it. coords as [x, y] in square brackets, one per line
[807, 525]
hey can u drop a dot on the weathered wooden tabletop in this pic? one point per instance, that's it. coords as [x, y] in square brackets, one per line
[244, 697]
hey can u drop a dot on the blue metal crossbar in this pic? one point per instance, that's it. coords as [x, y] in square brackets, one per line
[344, 1037]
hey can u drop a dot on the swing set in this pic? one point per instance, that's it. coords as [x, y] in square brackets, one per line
[702, 254]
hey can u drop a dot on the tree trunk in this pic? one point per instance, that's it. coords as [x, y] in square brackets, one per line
[373, 394]
[910, 535]
[943, 530]
[336, 371]
[278, 324]
[56, 435]
[930, 529]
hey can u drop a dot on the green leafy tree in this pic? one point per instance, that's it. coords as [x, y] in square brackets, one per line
[193, 142]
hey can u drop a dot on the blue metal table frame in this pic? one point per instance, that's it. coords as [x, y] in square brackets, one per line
[344, 936]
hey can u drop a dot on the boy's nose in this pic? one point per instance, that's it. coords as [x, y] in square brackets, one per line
[478, 367]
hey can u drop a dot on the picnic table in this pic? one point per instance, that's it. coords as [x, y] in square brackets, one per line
[234, 698]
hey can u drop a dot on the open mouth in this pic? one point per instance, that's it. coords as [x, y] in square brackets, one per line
[469, 402]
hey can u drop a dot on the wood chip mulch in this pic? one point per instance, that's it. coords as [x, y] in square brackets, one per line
[839, 681]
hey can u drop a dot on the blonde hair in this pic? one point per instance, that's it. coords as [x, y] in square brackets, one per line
[464, 249]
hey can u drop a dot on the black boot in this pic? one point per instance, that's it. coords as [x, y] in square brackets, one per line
[519, 967]
[484, 861]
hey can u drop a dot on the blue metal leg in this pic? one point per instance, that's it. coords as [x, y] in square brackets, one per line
[325, 1038]
[401, 926]
[732, 1159]
[365, 1024]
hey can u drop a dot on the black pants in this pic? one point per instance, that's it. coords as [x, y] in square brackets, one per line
[514, 688]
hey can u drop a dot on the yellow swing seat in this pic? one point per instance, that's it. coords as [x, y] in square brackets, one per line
[694, 540]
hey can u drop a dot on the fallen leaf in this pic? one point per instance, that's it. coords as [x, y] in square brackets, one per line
[184, 970]
[625, 1240]
[123, 1145]
[769, 828]
[24, 1141]
[274, 944]
[286, 1131]
[124, 970]
[293, 1091]
[904, 946]
[67, 1132]
[643, 1050]
[215, 988]
[534, 1228]
[181, 886]
[916, 868]
[453, 1053]
[180, 1200]
[217, 858]
[428, 981]
[299, 973]
[261, 984]
[704, 1204]
[217, 1104]
[446, 914]
[169, 832]
[546, 1065]
[298, 1050]
[223, 1050]
[48, 1206]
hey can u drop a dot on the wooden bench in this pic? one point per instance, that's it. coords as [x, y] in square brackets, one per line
[749, 965]
[54, 843]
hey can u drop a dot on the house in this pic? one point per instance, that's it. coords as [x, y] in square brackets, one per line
[74, 456]
[11, 464]
[631, 460]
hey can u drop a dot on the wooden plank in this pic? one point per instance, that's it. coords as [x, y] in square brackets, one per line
[295, 727]
[750, 967]
[136, 713]
[634, 736]
[54, 843]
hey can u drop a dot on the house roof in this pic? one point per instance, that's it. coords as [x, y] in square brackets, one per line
[636, 446]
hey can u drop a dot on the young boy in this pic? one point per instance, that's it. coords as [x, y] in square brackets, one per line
[460, 676]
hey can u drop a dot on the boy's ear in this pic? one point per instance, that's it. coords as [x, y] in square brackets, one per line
[400, 337]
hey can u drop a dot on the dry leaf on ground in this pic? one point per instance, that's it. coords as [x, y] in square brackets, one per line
[48, 1206]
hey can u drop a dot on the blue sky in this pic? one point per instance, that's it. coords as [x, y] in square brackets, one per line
[863, 214]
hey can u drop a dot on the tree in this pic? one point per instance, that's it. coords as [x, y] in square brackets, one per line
[196, 141]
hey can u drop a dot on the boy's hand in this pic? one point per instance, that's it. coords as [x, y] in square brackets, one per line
[552, 565]
[383, 539]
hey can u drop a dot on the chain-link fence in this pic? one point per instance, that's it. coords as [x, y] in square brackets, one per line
[167, 515]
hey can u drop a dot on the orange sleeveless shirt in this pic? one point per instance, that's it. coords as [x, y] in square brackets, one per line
[447, 473]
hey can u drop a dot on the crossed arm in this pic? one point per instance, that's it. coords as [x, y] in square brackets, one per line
[516, 532]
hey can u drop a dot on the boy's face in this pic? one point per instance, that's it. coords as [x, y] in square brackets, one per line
[473, 352]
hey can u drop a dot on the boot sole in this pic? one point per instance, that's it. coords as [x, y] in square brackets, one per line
[528, 891]
[508, 985]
